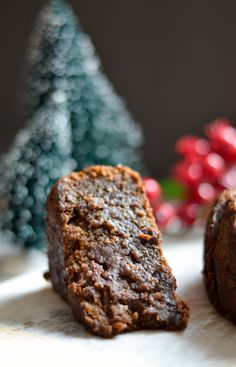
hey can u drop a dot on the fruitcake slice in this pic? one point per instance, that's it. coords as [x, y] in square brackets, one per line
[105, 255]
[220, 254]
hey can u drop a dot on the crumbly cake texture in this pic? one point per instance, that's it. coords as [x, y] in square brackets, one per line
[105, 255]
[220, 255]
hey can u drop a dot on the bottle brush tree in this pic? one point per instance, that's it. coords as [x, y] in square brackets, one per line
[73, 118]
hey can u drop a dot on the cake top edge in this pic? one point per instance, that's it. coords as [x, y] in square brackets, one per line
[228, 194]
[95, 171]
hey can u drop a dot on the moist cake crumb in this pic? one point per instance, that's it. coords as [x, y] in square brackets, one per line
[105, 255]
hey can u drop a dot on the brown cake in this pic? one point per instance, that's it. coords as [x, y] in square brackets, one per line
[220, 255]
[105, 255]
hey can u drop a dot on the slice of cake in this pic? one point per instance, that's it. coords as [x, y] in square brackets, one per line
[105, 255]
[220, 255]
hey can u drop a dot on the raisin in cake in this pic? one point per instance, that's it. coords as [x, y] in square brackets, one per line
[105, 255]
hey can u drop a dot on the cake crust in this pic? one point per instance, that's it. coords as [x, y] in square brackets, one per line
[105, 255]
[220, 255]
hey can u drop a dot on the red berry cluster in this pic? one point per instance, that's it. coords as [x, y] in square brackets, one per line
[207, 167]
[165, 212]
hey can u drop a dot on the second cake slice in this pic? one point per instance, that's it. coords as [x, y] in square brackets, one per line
[105, 255]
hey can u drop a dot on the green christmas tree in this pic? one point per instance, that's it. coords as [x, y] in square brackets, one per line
[103, 131]
[40, 154]
[74, 119]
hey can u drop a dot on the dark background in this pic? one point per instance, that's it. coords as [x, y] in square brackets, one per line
[173, 61]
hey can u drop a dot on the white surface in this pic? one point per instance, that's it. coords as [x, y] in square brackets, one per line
[37, 328]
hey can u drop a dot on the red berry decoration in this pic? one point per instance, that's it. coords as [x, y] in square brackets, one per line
[222, 138]
[213, 166]
[188, 173]
[165, 214]
[204, 193]
[228, 179]
[191, 146]
[207, 166]
[153, 190]
[216, 129]
[188, 212]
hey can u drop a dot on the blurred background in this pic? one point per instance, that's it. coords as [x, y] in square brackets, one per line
[173, 62]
